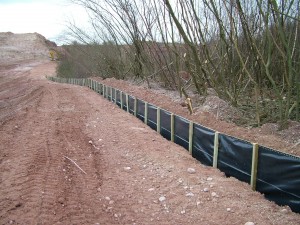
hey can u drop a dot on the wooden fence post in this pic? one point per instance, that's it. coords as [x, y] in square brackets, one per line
[146, 113]
[127, 103]
[172, 127]
[158, 119]
[135, 107]
[111, 94]
[254, 166]
[107, 95]
[121, 99]
[191, 134]
[216, 150]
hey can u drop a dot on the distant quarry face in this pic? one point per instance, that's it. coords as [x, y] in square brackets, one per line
[19, 47]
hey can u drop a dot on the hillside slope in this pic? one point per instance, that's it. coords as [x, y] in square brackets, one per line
[20, 47]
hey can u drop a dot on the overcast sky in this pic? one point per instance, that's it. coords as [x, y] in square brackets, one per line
[47, 17]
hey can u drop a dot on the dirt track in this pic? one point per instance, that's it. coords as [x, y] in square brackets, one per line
[131, 175]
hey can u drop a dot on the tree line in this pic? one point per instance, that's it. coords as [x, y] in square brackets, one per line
[247, 51]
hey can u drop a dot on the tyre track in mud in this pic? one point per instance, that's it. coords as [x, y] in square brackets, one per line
[38, 185]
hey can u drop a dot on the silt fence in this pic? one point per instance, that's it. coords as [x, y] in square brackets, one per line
[271, 172]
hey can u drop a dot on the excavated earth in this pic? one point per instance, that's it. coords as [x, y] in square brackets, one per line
[68, 156]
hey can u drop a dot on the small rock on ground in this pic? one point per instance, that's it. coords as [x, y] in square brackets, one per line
[249, 223]
[191, 170]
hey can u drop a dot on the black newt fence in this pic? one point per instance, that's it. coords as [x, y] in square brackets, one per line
[273, 173]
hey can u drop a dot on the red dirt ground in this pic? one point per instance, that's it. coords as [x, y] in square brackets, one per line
[126, 173]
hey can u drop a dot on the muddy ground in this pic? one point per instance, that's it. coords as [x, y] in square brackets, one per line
[68, 156]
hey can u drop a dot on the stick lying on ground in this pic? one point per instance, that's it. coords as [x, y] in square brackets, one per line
[75, 164]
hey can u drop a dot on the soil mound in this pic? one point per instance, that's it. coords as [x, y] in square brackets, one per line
[20, 47]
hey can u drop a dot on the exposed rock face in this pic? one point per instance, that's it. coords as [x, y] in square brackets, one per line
[19, 47]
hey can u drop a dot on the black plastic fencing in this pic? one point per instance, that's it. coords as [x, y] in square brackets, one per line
[273, 173]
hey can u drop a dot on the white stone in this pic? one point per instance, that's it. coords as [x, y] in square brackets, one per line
[190, 194]
[151, 189]
[107, 198]
[209, 179]
[127, 168]
[182, 212]
[249, 223]
[228, 209]
[191, 170]
[162, 198]
[205, 189]
[284, 210]
[214, 194]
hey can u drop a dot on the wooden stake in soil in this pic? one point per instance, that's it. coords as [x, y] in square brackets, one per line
[111, 94]
[107, 95]
[135, 107]
[172, 127]
[254, 166]
[191, 133]
[158, 126]
[216, 150]
[127, 103]
[146, 113]
[121, 99]
[75, 164]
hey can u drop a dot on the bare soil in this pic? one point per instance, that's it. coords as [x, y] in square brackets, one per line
[68, 156]
[125, 173]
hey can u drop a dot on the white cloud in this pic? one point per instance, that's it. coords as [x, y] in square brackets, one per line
[45, 17]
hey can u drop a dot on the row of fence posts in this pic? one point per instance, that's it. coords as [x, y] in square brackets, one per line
[103, 89]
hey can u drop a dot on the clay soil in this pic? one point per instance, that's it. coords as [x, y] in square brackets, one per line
[68, 156]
